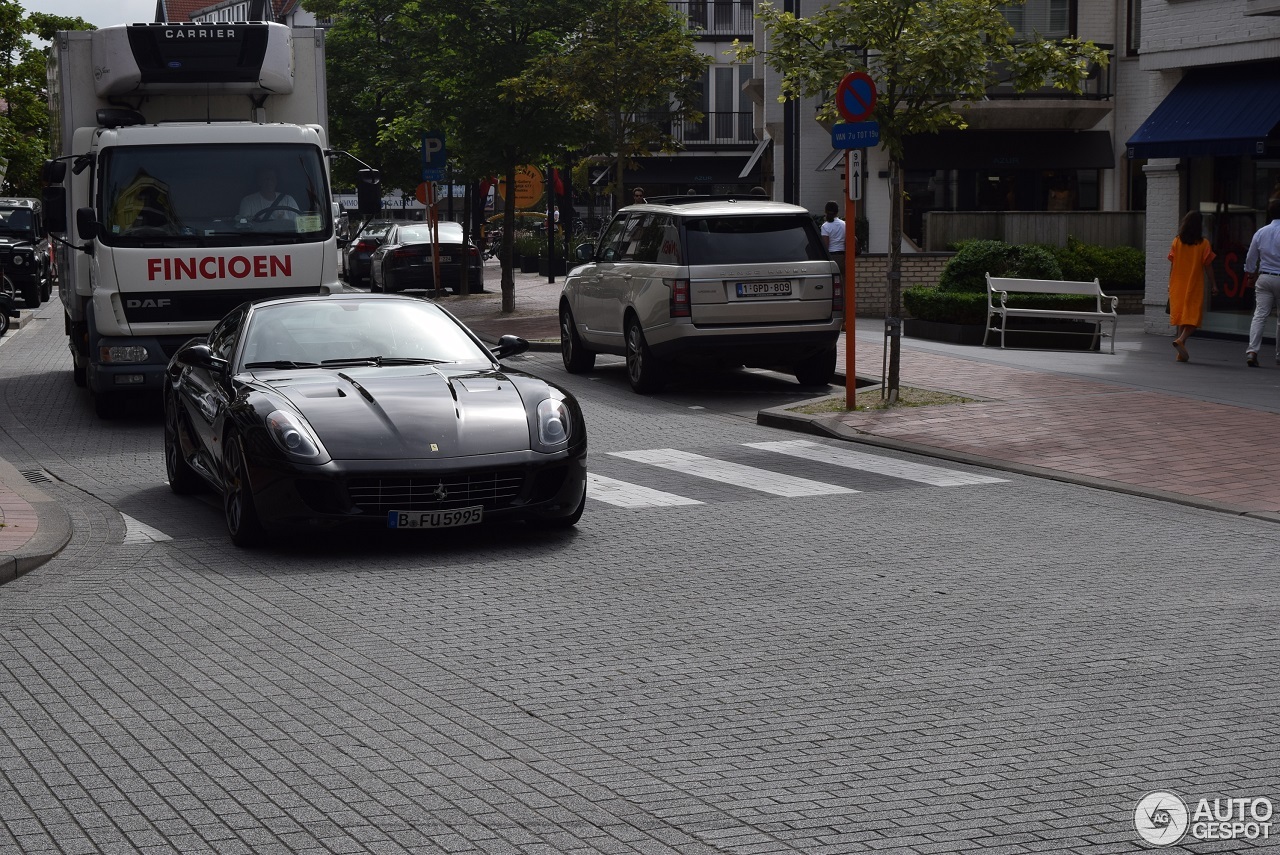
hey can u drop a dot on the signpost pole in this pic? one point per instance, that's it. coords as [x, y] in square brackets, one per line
[433, 223]
[850, 283]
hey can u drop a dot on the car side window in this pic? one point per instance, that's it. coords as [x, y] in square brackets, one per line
[631, 245]
[222, 341]
[656, 240]
[609, 249]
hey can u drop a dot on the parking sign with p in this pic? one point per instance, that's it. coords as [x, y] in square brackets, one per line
[434, 156]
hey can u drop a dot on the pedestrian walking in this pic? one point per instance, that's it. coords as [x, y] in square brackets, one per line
[1192, 258]
[1262, 270]
[833, 235]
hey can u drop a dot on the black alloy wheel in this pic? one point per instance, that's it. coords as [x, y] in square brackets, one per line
[643, 369]
[818, 369]
[238, 506]
[183, 479]
[577, 358]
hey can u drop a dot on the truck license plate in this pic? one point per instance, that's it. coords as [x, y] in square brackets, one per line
[435, 519]
[764, 289]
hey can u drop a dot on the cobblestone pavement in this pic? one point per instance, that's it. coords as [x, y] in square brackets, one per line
[996, 667]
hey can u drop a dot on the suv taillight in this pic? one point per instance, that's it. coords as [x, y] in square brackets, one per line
[837, 292]
[365, 246]
[679, 297]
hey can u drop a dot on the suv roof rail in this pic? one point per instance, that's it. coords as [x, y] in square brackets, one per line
[689, 199]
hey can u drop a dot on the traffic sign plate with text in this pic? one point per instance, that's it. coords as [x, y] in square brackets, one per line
[855, 135]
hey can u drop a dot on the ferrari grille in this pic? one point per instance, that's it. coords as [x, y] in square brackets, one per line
[493, 489]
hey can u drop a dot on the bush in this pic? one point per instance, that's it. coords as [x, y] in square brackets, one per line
[966, 271]
[1118, 268]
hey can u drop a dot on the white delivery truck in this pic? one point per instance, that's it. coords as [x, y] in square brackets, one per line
[193, 164]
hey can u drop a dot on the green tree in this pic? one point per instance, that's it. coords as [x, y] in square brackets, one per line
[367, 84]
[24, 116]
[629, 75]
[467, 60]
[928, 58]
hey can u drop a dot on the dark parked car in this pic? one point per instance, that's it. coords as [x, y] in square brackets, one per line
[403, 262]
[370, 409]
[24, 250]
[357, 252]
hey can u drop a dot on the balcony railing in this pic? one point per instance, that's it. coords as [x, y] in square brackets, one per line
[715, 129]
[714, 19]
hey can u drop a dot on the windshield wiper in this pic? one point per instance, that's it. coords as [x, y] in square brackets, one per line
[383, 360]
[282, 363]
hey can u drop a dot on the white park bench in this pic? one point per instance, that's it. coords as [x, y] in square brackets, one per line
[999, 288]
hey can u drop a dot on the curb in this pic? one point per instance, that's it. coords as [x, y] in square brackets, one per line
[53, 528]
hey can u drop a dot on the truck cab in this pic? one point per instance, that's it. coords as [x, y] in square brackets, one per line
[193, 176]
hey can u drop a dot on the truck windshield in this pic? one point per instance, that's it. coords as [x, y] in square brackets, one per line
[213, 195]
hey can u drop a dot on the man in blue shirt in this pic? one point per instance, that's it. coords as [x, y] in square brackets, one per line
[1262, 270]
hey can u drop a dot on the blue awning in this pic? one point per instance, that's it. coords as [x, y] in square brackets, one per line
[1213, 112]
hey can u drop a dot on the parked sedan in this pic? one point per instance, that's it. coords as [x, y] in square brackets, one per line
[365, 409]
[403, 261]
[356, 254]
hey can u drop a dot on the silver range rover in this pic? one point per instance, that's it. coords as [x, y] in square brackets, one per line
[705, 281]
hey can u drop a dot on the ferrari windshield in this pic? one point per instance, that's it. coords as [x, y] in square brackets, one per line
[337, 331]
[213, 195]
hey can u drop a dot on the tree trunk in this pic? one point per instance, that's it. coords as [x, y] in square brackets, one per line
[893, 318]
[509, 241]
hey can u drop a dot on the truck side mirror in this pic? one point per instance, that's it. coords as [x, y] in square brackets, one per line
[86, 223]
[369, 193]
[54, 201]
[53, 171]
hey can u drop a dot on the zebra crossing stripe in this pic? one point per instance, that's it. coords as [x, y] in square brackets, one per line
[139, 532]
[624, 495]
[749, 477]
[849, 459]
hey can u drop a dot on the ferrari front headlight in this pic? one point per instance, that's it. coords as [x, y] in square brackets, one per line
[555, 424]
[294, 436]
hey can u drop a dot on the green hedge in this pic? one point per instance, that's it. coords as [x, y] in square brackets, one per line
[960, 297]
[965, 307]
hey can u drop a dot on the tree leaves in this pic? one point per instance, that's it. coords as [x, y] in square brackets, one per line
[24, 117]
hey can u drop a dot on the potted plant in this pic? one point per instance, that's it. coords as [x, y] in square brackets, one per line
[529, 246]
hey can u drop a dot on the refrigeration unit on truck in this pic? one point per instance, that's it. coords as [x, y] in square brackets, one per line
[190, 174]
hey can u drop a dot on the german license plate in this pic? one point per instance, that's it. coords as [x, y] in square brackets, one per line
[435, 519]
[764, 289]
[446, 259]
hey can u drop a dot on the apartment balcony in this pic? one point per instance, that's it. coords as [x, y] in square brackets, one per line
[718, 19]
[1043, 109]
[714, 131]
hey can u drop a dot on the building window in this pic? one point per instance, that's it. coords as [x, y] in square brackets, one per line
[1050, 19]
[1133, 27]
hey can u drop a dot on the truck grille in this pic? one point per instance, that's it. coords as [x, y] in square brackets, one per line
[493, 489]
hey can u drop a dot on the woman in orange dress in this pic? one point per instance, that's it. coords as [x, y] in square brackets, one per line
[1192, 259]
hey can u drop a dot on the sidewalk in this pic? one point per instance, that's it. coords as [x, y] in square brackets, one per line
[1197, 433]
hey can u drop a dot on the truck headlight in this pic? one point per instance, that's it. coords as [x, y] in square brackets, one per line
[19, 259]
[125, 355]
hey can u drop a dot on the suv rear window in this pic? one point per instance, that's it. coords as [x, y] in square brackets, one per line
[749, 239]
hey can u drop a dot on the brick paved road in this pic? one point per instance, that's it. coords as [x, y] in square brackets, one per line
[1002, 667]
